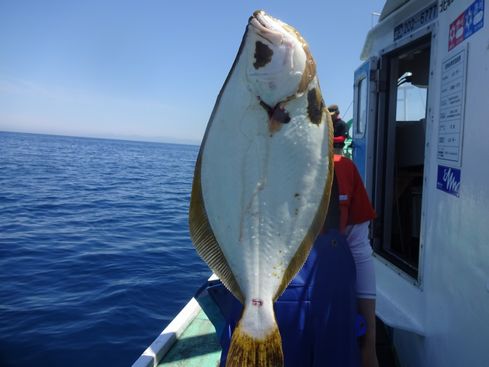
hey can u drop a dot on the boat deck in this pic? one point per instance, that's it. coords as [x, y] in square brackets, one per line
[198, 346]
[191, 340]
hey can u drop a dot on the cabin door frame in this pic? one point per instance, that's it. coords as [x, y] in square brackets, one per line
[364, 119]
[376, 153]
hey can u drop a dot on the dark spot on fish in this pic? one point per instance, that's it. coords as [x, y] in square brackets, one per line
[266, 107]
[296, 195]
[315, 106]
[263, 55]
[296, 211]
[280, 114]
[276, 114]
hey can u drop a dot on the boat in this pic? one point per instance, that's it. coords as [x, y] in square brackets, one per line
[419, 140]
[420, 123]
[189, 340]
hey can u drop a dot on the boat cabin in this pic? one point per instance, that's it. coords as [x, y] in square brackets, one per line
[420, 131]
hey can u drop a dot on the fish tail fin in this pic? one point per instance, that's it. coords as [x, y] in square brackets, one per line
[248, 351]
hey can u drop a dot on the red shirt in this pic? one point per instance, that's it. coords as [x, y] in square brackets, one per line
[355, 205]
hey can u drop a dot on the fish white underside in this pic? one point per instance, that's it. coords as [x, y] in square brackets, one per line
[261, 190]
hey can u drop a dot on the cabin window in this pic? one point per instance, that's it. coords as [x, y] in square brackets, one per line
[398, 183]
[411, 100]
[361, 118]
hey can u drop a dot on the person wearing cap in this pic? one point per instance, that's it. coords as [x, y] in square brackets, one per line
[340, 128]
[318, 313]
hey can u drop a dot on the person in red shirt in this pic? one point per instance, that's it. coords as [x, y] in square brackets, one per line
[318, 312]
[356, 212]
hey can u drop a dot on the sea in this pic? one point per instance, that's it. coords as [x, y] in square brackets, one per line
[95, 253]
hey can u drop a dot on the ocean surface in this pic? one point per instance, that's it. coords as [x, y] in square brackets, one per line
[95, 254]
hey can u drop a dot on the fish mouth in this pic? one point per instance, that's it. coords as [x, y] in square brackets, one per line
[266, 27]
[261, 18]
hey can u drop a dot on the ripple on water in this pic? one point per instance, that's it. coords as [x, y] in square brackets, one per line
[95, 255]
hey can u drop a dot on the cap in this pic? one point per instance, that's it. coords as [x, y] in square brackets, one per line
[339, 139]
[339, 142]
[333, 108]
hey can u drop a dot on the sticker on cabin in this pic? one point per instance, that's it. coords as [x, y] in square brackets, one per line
[452, 106]
[466, 24]
[474, 18]
[448, 180]
[456, 33]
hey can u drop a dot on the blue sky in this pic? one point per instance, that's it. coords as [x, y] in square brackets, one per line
[152, 69]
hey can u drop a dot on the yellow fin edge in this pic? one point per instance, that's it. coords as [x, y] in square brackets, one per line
[246, 351]
[204, 240]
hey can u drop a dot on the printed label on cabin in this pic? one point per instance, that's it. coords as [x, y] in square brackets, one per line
[449, 180]
[452, 104]
[418, 20]
[466, 24]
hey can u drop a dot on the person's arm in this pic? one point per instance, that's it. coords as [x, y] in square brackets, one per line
[359, 243]
[368, 352]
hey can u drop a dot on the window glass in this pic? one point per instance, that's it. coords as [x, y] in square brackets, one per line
[411, 100]
[361, 117]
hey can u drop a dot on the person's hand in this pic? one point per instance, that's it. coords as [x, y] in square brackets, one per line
[368, 354]
[367, 342]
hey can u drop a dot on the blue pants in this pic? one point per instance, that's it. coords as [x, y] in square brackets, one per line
[316, 314]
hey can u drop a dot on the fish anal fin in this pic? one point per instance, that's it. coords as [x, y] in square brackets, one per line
[204, 239]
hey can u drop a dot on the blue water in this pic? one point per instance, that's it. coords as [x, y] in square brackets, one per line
[95, 254]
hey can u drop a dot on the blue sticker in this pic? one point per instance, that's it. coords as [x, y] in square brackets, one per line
[449, 180]
[473, 18]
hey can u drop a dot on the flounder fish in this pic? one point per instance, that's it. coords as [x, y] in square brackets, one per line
[262, 180]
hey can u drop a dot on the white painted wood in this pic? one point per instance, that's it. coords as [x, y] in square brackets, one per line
[396, 315]
[157, 350]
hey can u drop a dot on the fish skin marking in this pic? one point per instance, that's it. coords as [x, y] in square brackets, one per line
[267, 108]
[315, 106]
[257, 302]
[277, 116]
[278, 113]
[263, 55]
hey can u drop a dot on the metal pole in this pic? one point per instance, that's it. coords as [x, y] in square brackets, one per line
[373, 14]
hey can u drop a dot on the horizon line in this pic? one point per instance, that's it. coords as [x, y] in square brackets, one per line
[156, 140]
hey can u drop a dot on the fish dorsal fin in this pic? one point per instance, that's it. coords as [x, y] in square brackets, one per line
[204, 239]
